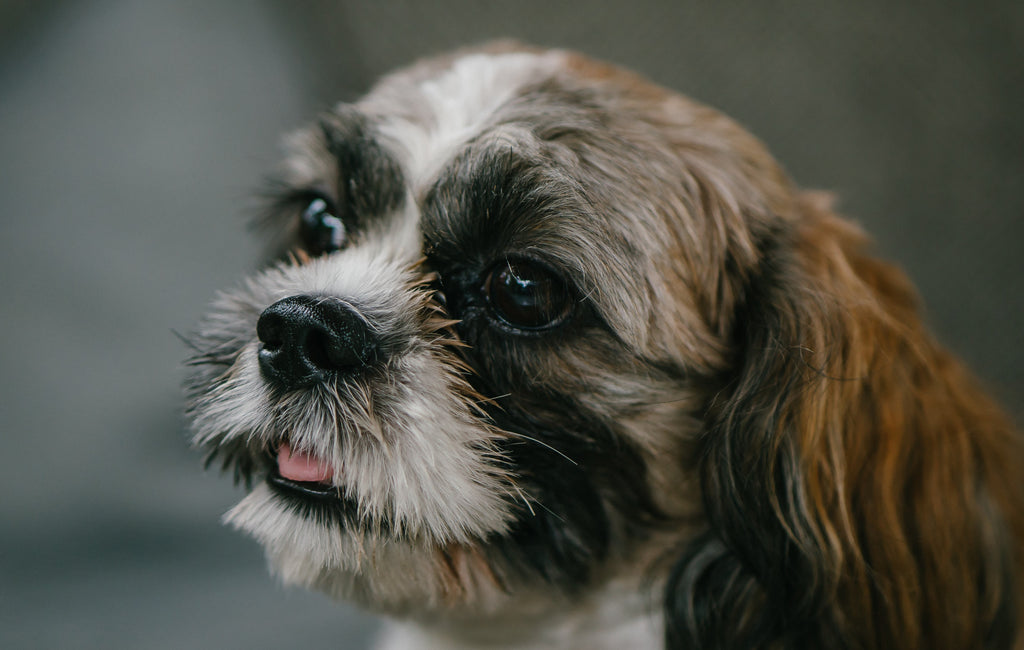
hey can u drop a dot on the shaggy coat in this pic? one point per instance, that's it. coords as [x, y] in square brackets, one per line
[606, 378]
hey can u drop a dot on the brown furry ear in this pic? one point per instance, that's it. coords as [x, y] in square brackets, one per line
[861, 492]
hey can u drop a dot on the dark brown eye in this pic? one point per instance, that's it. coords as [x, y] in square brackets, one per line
[527, 296]
[320, 230]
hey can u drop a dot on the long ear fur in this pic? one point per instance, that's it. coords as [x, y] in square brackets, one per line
[861, 491]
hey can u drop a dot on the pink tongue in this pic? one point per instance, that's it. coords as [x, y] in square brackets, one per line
[302, 468]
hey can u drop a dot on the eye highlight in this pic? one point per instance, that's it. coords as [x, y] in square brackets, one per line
[319, 229]
[527, 296]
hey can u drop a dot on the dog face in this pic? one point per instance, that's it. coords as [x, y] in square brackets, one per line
[541, 326]
[510, 446]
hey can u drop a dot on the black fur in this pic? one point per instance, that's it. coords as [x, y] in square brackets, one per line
[328, 507]
[369, 185]
[586, 487]
[370, 182]
[493, 201]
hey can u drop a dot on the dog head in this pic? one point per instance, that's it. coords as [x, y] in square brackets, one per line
[538, 327]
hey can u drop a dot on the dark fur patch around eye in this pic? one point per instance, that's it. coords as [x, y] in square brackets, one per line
[370, 182]
[492, 200]
[584, 485]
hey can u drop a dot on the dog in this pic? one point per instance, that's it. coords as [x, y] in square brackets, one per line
[548, 356]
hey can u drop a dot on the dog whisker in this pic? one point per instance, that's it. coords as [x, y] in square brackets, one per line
[521, 436]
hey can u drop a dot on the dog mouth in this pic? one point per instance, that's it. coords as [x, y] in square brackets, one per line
[303, 476]
[301, 467]
[309, 487]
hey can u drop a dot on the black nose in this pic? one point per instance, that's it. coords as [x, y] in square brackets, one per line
[307, 339]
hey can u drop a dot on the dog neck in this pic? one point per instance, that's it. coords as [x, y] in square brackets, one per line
[616, 617]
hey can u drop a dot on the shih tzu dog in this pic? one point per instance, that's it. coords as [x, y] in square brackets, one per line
[551, 357]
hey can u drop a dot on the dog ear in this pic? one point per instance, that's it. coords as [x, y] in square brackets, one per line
[860, 491]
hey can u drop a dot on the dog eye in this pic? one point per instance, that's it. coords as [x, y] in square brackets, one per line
[320, 231]
[527, 296]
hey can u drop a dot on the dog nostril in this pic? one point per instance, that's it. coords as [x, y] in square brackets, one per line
[336, 350]
[317, 345]
[269, 331]
[307, 339]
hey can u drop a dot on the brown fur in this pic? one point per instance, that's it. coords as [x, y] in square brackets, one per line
[890, 476]
[845, 439]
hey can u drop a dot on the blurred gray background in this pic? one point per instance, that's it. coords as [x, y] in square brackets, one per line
[133, 133]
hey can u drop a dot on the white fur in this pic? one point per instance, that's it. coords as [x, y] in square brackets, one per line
[456, 105]
[419, 465]
[619, 617]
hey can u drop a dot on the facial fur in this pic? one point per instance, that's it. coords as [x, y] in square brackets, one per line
[594, 342]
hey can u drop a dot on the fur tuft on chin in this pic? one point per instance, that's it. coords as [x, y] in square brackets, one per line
[556, 358]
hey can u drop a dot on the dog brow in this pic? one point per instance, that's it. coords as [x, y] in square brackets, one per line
[489, 198]
[370, 182]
